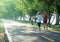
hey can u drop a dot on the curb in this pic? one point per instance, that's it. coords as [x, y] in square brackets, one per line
[7, 35]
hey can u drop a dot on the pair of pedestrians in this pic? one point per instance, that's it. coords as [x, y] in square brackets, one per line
[41, 17]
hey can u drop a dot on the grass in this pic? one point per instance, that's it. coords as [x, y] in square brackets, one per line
[1, 26]
[1, 32]
[24, 22]
[55, 27]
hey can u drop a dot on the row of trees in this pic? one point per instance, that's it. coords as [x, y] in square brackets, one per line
[11, 9]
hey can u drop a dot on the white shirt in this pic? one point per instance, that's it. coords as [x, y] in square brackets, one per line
[39, 18]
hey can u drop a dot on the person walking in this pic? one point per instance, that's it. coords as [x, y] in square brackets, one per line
[45, 20]
[39, 19]
[32, 20]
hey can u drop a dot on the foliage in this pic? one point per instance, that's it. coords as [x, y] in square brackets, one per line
[14, 8]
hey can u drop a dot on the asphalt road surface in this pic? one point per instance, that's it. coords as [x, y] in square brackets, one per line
[19, 32]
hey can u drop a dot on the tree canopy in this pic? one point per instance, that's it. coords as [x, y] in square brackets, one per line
[10, 9]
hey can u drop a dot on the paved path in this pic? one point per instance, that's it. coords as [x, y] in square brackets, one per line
[19, 32]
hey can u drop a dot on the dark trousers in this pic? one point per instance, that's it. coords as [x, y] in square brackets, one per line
[39, 25]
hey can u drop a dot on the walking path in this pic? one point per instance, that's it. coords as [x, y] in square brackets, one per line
[18, 32]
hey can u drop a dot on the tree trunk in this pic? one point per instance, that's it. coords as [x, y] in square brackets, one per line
[49, 16]
[57, 15]
[57, 19]
[49, 19]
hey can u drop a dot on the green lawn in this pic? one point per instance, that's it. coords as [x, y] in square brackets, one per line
[1, 26]
[1, 32]
[55, 27]
[26, 22]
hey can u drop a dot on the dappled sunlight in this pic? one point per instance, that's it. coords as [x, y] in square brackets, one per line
[25, 38]
[23, 29]
[12, 25]
[19, 20]
[2, 37]
[26, 32]
[29, 31]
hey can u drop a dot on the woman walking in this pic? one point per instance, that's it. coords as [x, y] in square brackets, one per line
[45, 20]
[39, 19]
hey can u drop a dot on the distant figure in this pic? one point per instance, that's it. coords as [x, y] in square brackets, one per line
[32, 20]
[45, 20]
[39, 19]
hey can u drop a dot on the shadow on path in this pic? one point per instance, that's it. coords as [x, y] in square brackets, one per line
[25, 33]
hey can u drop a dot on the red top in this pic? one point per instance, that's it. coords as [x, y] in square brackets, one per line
[45, 17]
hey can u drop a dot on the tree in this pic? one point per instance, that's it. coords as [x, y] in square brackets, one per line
[57, 5]
[16, 8]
